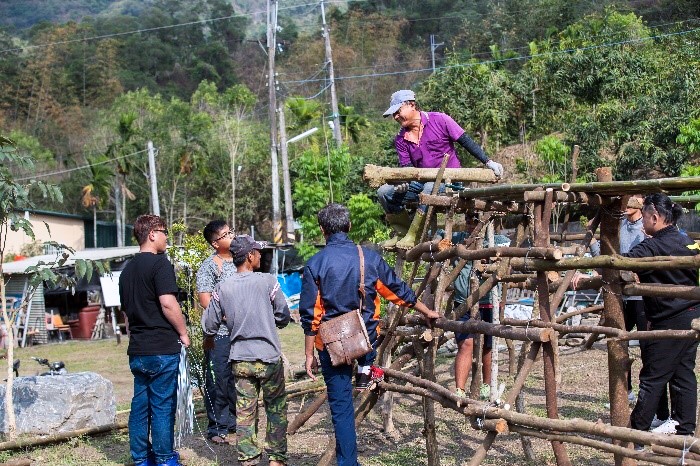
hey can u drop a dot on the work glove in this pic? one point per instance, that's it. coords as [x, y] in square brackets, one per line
[496, 167]
[401, 188]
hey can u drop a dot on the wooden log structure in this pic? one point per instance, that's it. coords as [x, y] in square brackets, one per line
[468, 407]
[608, 261]
[610, 188]
[541, 268]
[376, 176]
[486, 328]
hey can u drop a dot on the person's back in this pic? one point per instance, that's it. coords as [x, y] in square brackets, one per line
[331, 288]
[253, 306]
[146, 277]
[247, 299]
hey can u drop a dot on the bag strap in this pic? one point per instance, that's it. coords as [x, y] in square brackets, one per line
[362, 278]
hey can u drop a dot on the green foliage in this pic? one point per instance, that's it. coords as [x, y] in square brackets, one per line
[367, 218]
[477, 96]
[305, 112]
[188, 257]
[689, 137]
[320, 180]
[553, 156]
[691, 170]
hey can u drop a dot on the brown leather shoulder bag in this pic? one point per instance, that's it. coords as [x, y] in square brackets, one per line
[345, 336]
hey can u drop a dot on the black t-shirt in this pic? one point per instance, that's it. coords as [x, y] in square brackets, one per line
[146, 277]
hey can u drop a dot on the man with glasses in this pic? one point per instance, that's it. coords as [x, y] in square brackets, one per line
[220, 387]
[424, 138]
[157, 330]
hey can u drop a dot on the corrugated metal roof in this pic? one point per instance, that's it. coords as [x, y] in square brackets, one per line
[88, 254]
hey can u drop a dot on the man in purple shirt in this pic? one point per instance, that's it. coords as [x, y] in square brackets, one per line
[423, 140]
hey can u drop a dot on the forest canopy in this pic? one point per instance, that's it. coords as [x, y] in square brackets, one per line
[84, 85]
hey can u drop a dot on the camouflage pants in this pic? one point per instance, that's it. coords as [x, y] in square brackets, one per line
[251, 377]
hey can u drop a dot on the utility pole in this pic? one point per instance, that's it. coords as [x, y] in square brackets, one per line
[288, 213]
[271, 46]
[153, 181]
[331, 77]
[433, 47]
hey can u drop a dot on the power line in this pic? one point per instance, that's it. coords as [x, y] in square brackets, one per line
[502, 60]
[82, 167]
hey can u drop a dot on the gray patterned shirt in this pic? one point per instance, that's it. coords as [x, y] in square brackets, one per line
[209, 276]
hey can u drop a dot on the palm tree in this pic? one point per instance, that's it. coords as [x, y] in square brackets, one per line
[353, 122]
[304, 111]
[96, 192]
[126, 145]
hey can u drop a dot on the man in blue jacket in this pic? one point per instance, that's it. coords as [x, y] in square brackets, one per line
[330, 289]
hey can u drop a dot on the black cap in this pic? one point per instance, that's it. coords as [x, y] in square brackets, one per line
[241, 246]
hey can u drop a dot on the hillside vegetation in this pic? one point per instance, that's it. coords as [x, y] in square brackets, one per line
[83, 94]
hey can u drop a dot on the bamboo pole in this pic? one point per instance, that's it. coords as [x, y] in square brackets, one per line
[304, 416]
[629, 453]
[618, 355]
[486, 328]
[604, 188]
[60, 437]
[543, 213]
[612, 262]
[615, 333]
[462, 205]
[547, 252]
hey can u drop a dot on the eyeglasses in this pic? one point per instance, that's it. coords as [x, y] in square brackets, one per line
[164, 231]
[228, 233]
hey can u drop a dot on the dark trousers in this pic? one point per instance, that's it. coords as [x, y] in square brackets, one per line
[219, 388]
[668, 362]
[633, 310]
[339, 387]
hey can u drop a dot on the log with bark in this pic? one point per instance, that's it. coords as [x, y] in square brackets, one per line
[377, 176]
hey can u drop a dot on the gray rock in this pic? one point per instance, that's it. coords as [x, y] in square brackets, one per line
[47, 405]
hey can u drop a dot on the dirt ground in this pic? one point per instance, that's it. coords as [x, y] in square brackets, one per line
[582, 394]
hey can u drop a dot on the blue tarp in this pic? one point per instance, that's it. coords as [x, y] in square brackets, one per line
[291, 287]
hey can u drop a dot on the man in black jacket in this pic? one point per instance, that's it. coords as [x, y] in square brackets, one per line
[667, 361]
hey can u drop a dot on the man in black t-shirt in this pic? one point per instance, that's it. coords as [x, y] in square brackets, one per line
[157, 330]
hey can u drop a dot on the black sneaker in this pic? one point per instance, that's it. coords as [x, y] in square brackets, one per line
[362, 381]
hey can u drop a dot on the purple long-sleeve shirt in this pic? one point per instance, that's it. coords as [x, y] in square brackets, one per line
[440, 132]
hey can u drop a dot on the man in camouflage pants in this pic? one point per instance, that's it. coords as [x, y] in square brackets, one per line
[253, 305]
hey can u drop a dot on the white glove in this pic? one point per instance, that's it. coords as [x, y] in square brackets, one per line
[496, 167]
[401, 188]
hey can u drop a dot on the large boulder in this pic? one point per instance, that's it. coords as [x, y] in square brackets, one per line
[60, 403]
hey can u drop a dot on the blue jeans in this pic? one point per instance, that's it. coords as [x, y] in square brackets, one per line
[393, 202]
[153, 406]
[339, 386]
[219, 388]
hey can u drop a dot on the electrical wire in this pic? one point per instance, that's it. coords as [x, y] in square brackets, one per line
[82, 167]
[503, 60]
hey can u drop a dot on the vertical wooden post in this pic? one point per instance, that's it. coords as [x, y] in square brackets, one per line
[543, 212]
[618, 355]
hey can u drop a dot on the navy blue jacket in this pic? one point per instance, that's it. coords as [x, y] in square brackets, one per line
[331, 281]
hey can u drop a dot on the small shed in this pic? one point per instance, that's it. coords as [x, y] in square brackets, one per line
[17, 283]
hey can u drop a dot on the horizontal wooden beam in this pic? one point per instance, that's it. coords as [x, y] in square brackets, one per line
[377, 176]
